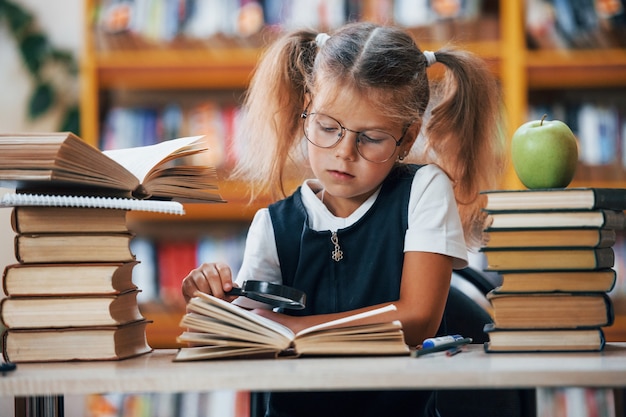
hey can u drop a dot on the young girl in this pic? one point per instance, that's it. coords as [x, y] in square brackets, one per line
[368, 229]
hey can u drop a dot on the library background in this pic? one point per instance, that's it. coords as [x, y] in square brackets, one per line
[151, 70]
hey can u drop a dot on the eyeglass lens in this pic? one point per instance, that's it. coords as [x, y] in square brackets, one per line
[325, 132]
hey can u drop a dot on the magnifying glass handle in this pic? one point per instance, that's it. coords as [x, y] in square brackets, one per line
[236, 291]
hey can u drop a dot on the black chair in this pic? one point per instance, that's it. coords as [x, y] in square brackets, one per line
[466, 314]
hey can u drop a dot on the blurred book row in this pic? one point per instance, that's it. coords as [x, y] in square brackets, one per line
[131, 126]
[152, 21]
[599, 124]
[557, 402]
[189, 404]
[575, 24]
[164, 263]
[549, 23]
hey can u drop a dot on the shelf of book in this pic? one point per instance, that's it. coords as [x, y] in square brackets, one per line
[114, 62]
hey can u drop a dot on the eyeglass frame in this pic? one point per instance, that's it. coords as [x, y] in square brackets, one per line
[305, 113]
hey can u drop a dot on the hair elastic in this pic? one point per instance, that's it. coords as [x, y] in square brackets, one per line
[321, 39]
[430, 57]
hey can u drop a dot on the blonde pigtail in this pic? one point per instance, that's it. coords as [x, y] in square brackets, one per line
[465, 131]
[270, 125]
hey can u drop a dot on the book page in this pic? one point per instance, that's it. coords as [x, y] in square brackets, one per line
[219, 331]
[141, 160]
[347, 320]
[249, 315]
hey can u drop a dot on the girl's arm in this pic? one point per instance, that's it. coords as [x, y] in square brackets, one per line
[423, 294]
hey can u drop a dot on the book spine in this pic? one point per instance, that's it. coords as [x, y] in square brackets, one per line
[614, 220]
[605, 258]
[610, 310]
[2, 307]
[5, 354]
[5, 275]
[16, 250]
[14, 220]
[609, 198]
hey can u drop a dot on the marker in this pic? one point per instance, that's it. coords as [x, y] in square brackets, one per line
[441, 347]
[441, 340]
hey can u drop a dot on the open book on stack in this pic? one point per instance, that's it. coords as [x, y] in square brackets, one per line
[218, 329]
[62, 163]
[554, 251]
[71, 296]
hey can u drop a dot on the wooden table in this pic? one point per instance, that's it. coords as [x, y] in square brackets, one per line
[156, 372]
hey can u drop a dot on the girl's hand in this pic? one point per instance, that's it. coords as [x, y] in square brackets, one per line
[211, 278]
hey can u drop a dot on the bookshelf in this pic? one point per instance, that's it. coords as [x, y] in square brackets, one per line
[124, 62]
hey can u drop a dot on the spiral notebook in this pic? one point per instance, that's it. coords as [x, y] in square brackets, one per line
[157, 206]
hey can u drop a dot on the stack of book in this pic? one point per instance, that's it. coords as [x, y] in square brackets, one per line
[554, 251]
[72, 296]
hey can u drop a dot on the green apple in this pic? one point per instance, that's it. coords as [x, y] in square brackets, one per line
[544, 154]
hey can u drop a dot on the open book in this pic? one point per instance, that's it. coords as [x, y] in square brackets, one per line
[49, 162]
[219, 329]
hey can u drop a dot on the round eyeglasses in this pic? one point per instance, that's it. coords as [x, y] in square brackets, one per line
[325, 132]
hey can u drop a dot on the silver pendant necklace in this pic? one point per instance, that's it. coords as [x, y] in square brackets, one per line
[337, 253]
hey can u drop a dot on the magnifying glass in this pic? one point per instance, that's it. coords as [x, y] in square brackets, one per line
[275, 295]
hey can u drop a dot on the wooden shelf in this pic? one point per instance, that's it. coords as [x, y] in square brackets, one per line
[576, 68]
[176, 68]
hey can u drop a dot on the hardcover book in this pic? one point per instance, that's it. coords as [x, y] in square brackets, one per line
[545, 311]
[29, 219]
[73, 247]
[76, 344]
[556, 199]
[69, 311]
[607, 219]
[549, 238]
[602, 280]
[68, 279]
[543, 340]
[548, 259]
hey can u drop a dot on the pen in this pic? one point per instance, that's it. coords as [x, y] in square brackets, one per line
[453, 351]
[441, 347]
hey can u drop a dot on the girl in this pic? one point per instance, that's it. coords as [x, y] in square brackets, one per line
[368, 229]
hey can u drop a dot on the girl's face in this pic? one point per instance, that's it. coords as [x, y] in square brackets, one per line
[347, 177]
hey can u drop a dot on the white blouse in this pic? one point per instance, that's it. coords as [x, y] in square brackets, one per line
[434, 226]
